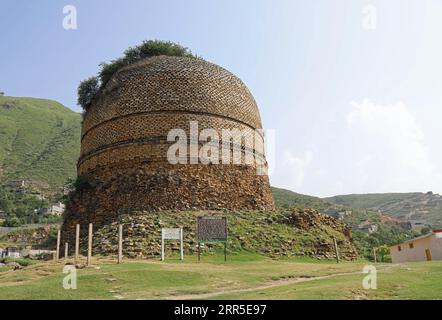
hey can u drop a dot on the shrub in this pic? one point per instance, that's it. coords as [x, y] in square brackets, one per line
[86, 91]
[383, 252]
[53, 233]
[81, 183]
[12, 222]
[90, 87]
[21, 261]
[425, 230]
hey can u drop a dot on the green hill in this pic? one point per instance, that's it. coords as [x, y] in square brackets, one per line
[425, 207]
[350, 215]
[287, 198]
[39, 141]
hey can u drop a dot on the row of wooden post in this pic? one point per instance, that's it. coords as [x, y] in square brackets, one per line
[89, 246]
[120, 245]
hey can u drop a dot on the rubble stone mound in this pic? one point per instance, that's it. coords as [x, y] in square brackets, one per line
[272, 234]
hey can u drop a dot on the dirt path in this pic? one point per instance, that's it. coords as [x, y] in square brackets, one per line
[276, 283]
[273, 284]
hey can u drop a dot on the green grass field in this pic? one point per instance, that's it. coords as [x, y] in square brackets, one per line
[244, 276]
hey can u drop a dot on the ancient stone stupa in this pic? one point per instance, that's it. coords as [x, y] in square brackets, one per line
[124, 143]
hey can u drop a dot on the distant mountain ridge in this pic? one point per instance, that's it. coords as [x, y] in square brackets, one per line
[350, 215]
[425, 207]
[39, 141]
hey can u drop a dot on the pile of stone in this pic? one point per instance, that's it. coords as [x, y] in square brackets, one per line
[34, 236]
[273, 233]
[307, 218]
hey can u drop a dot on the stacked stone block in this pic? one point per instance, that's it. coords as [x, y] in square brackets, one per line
[124, 143]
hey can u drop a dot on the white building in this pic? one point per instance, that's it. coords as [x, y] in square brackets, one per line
[424, 248]
[55, 209]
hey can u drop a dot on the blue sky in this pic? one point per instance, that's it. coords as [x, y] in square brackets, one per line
[354, 109]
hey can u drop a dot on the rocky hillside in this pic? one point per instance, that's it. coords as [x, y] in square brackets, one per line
[424, 207]
[352, 216]
[39, 142]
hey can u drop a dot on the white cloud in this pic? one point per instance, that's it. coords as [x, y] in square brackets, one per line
[293, 169]
[390, 149]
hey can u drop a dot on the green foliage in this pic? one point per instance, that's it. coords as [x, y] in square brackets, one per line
[24, 208]
[81, 183]
[385, 236]
[286, 199]
[21, 261]
[39, 142]
[89, 88]
[53, 233]
[425, 230]
[371, 200]
[383, 253]
[13, 221]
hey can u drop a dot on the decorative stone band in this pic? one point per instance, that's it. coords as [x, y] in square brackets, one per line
[137, 126]
[154, 149]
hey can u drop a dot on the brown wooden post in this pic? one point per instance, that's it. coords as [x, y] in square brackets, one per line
[375, 256]
[57, 252]
[66, 251]
[120, 243]
[89, 247]
[77, 242]
[336, 249]
[225, 251]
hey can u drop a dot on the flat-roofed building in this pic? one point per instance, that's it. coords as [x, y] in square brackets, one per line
[424, 248]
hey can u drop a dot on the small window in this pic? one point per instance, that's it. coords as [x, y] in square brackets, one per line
[411, 245]
[399, 248]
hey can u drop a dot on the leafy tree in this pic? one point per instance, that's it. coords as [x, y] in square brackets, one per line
[12, 221]
[385, 236]
[86, 91]
[383, 253]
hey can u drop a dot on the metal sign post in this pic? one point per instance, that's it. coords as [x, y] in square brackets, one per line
[212, 230]
[172, 234]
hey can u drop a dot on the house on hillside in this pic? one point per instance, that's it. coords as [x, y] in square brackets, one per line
[11, 252]
[368, 227]
[416, 225]
[424, 248]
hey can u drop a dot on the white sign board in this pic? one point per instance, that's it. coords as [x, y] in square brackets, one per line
[172, 234]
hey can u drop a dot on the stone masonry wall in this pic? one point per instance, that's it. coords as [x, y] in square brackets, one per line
[124, 143]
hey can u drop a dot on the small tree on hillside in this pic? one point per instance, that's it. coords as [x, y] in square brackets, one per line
[90, 87]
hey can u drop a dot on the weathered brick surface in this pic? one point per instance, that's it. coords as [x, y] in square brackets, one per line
[124, 143]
